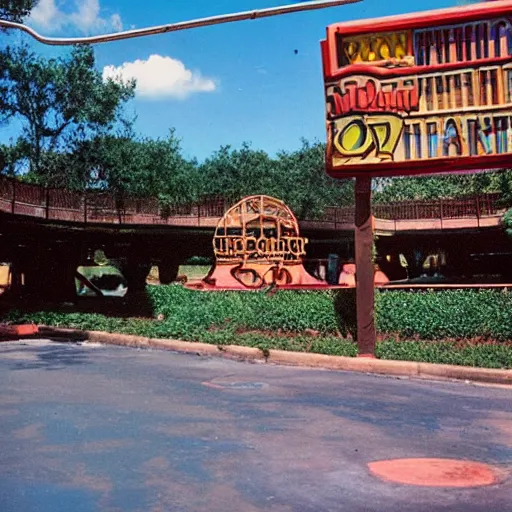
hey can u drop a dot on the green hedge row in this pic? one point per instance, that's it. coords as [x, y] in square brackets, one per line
[438, 315]
[484, 355]
[431, 315]
[459, 314]
[285, 310]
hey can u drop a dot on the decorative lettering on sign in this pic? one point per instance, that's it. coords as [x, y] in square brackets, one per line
[350, 96]
[422, 94]
[374, 137]
[257, 244]
[465, 42]
[259, 229]
[390, 48]
[252, 248]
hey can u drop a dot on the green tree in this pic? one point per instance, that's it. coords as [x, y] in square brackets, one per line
[235, 173]
[10, 155]
[58, 101]
[390, 190]
[304, 184]
[16, 10]
[504, 180]
[296, 177]
[139, 167]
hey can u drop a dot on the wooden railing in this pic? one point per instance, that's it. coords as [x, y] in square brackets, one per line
[471, 206]
[98, 207]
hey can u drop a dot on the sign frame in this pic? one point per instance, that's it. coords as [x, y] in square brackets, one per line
[335, 72]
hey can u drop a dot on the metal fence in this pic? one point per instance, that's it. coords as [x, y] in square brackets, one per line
[99, 207]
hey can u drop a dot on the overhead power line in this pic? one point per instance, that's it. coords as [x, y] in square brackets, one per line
[182, 25]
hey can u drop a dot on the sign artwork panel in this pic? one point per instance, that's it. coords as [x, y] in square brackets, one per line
[418, 94]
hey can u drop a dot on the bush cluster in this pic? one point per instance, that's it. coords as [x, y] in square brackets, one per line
[284, 311]
[430, 315]
[458, 314]
[436, 315]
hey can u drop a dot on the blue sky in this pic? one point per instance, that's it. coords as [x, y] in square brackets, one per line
[215, 85]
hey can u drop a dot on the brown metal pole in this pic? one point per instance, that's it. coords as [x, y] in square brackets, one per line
[364, 268]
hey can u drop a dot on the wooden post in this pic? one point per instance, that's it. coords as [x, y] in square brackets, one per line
[13, 205]
[47, 199]
[364, 268]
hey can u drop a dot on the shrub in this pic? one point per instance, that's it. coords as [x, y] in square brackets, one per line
[429, 315]
[434, 315]
[507, 221]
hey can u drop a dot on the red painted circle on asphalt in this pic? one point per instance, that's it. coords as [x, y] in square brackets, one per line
[435, 472]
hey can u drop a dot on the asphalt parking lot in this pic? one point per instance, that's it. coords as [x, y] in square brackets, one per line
[92, 428]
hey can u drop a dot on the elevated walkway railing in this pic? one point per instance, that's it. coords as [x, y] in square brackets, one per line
[99, 207]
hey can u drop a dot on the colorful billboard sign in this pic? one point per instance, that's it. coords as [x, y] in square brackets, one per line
[423, 93]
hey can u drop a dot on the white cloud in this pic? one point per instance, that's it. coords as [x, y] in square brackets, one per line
[83, 15]
[161, 77]
[44, 14]
[116, 21]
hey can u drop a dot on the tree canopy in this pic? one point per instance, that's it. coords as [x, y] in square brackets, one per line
[127, 165]
[16, 10]
[444, 186]
[58, 101]
[296, 177]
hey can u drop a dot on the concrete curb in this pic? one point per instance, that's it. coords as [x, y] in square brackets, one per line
[362, 365]
[128, 340]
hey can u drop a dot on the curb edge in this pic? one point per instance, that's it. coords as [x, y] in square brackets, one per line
[303, 359]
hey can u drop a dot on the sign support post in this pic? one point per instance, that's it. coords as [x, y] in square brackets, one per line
[364, 267]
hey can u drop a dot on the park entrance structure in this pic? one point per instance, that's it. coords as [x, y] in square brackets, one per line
[415, 94]
[257, 244]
